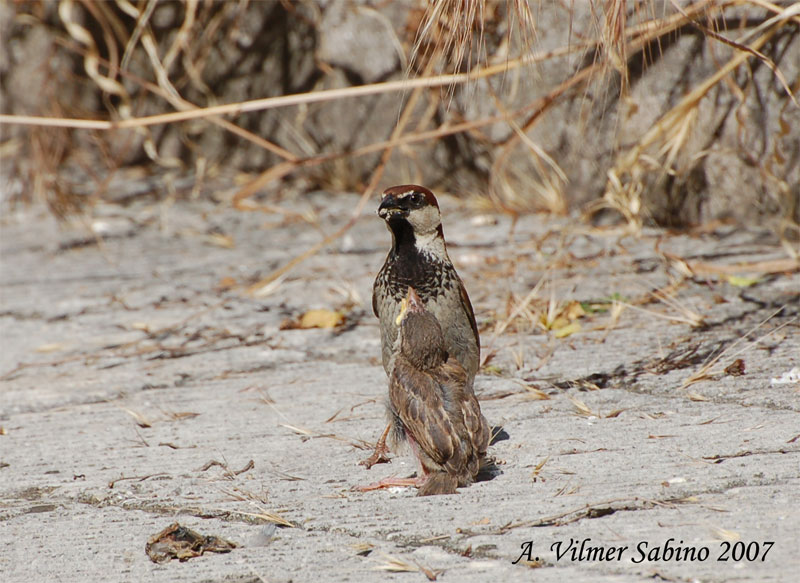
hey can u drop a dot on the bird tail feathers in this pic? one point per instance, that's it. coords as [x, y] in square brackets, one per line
[438, 483]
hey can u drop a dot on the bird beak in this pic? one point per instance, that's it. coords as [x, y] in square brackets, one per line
[403, 310]
[413, 300]
[410, 303]
[391, 206]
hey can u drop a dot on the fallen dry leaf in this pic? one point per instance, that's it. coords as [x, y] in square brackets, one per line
[741, 281]
[321, 319]
[226, 283]
[574, 311]
[179, 542]
[736, 368]
[568, 330]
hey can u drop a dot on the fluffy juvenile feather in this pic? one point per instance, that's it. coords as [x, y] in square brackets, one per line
[432, 406]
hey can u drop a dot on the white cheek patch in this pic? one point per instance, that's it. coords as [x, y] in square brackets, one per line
[425, 220]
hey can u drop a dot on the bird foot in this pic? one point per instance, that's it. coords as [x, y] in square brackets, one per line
[379, 456]
[392, 483]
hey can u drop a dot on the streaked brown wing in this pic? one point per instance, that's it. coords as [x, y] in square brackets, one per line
[417, 401]
[465, 409]
[453, 379]
[375, 297]
[452, 373]
[476, 425]
[470, 314]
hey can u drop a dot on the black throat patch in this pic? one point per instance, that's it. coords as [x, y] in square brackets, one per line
[407, 266]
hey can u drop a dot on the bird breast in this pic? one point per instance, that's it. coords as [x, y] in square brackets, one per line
[441, 296]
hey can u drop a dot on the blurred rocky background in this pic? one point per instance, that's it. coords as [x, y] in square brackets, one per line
[674, 113]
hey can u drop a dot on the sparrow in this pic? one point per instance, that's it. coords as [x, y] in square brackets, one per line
[432, 407]
[418, 258]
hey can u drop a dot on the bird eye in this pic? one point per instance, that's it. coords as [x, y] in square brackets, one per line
[415, 198]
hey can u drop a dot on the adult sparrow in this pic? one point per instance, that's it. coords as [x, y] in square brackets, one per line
[418, 258]
[432, 407]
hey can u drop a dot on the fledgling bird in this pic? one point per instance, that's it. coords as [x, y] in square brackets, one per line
[432, 406]
[418, 258]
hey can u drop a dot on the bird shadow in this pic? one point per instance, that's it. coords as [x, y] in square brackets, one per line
[498, 434]
[489, 469]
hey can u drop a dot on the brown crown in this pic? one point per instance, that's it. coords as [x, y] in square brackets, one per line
[401, 189]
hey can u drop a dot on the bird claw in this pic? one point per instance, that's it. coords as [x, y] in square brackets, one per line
[378, 457]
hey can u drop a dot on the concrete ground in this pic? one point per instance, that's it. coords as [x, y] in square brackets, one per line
[141, 384]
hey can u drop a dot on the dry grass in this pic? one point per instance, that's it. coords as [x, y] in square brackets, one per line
[485, 46]
[713, 367]
[658, 152]
[394, 564]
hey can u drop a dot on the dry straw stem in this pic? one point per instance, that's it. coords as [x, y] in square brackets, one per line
[581, 408]
[241, 107]
[617, 41]
[357, 443]
[516, 312]
[552, 178]
[595, 510]
[270, 517]
[91, 61]
[532, 392]
[538, 468]
[703, 268]
[396, 565]
[707, 371]
[615, 313]
[694, 268]
[687, 315]
[179, 103]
